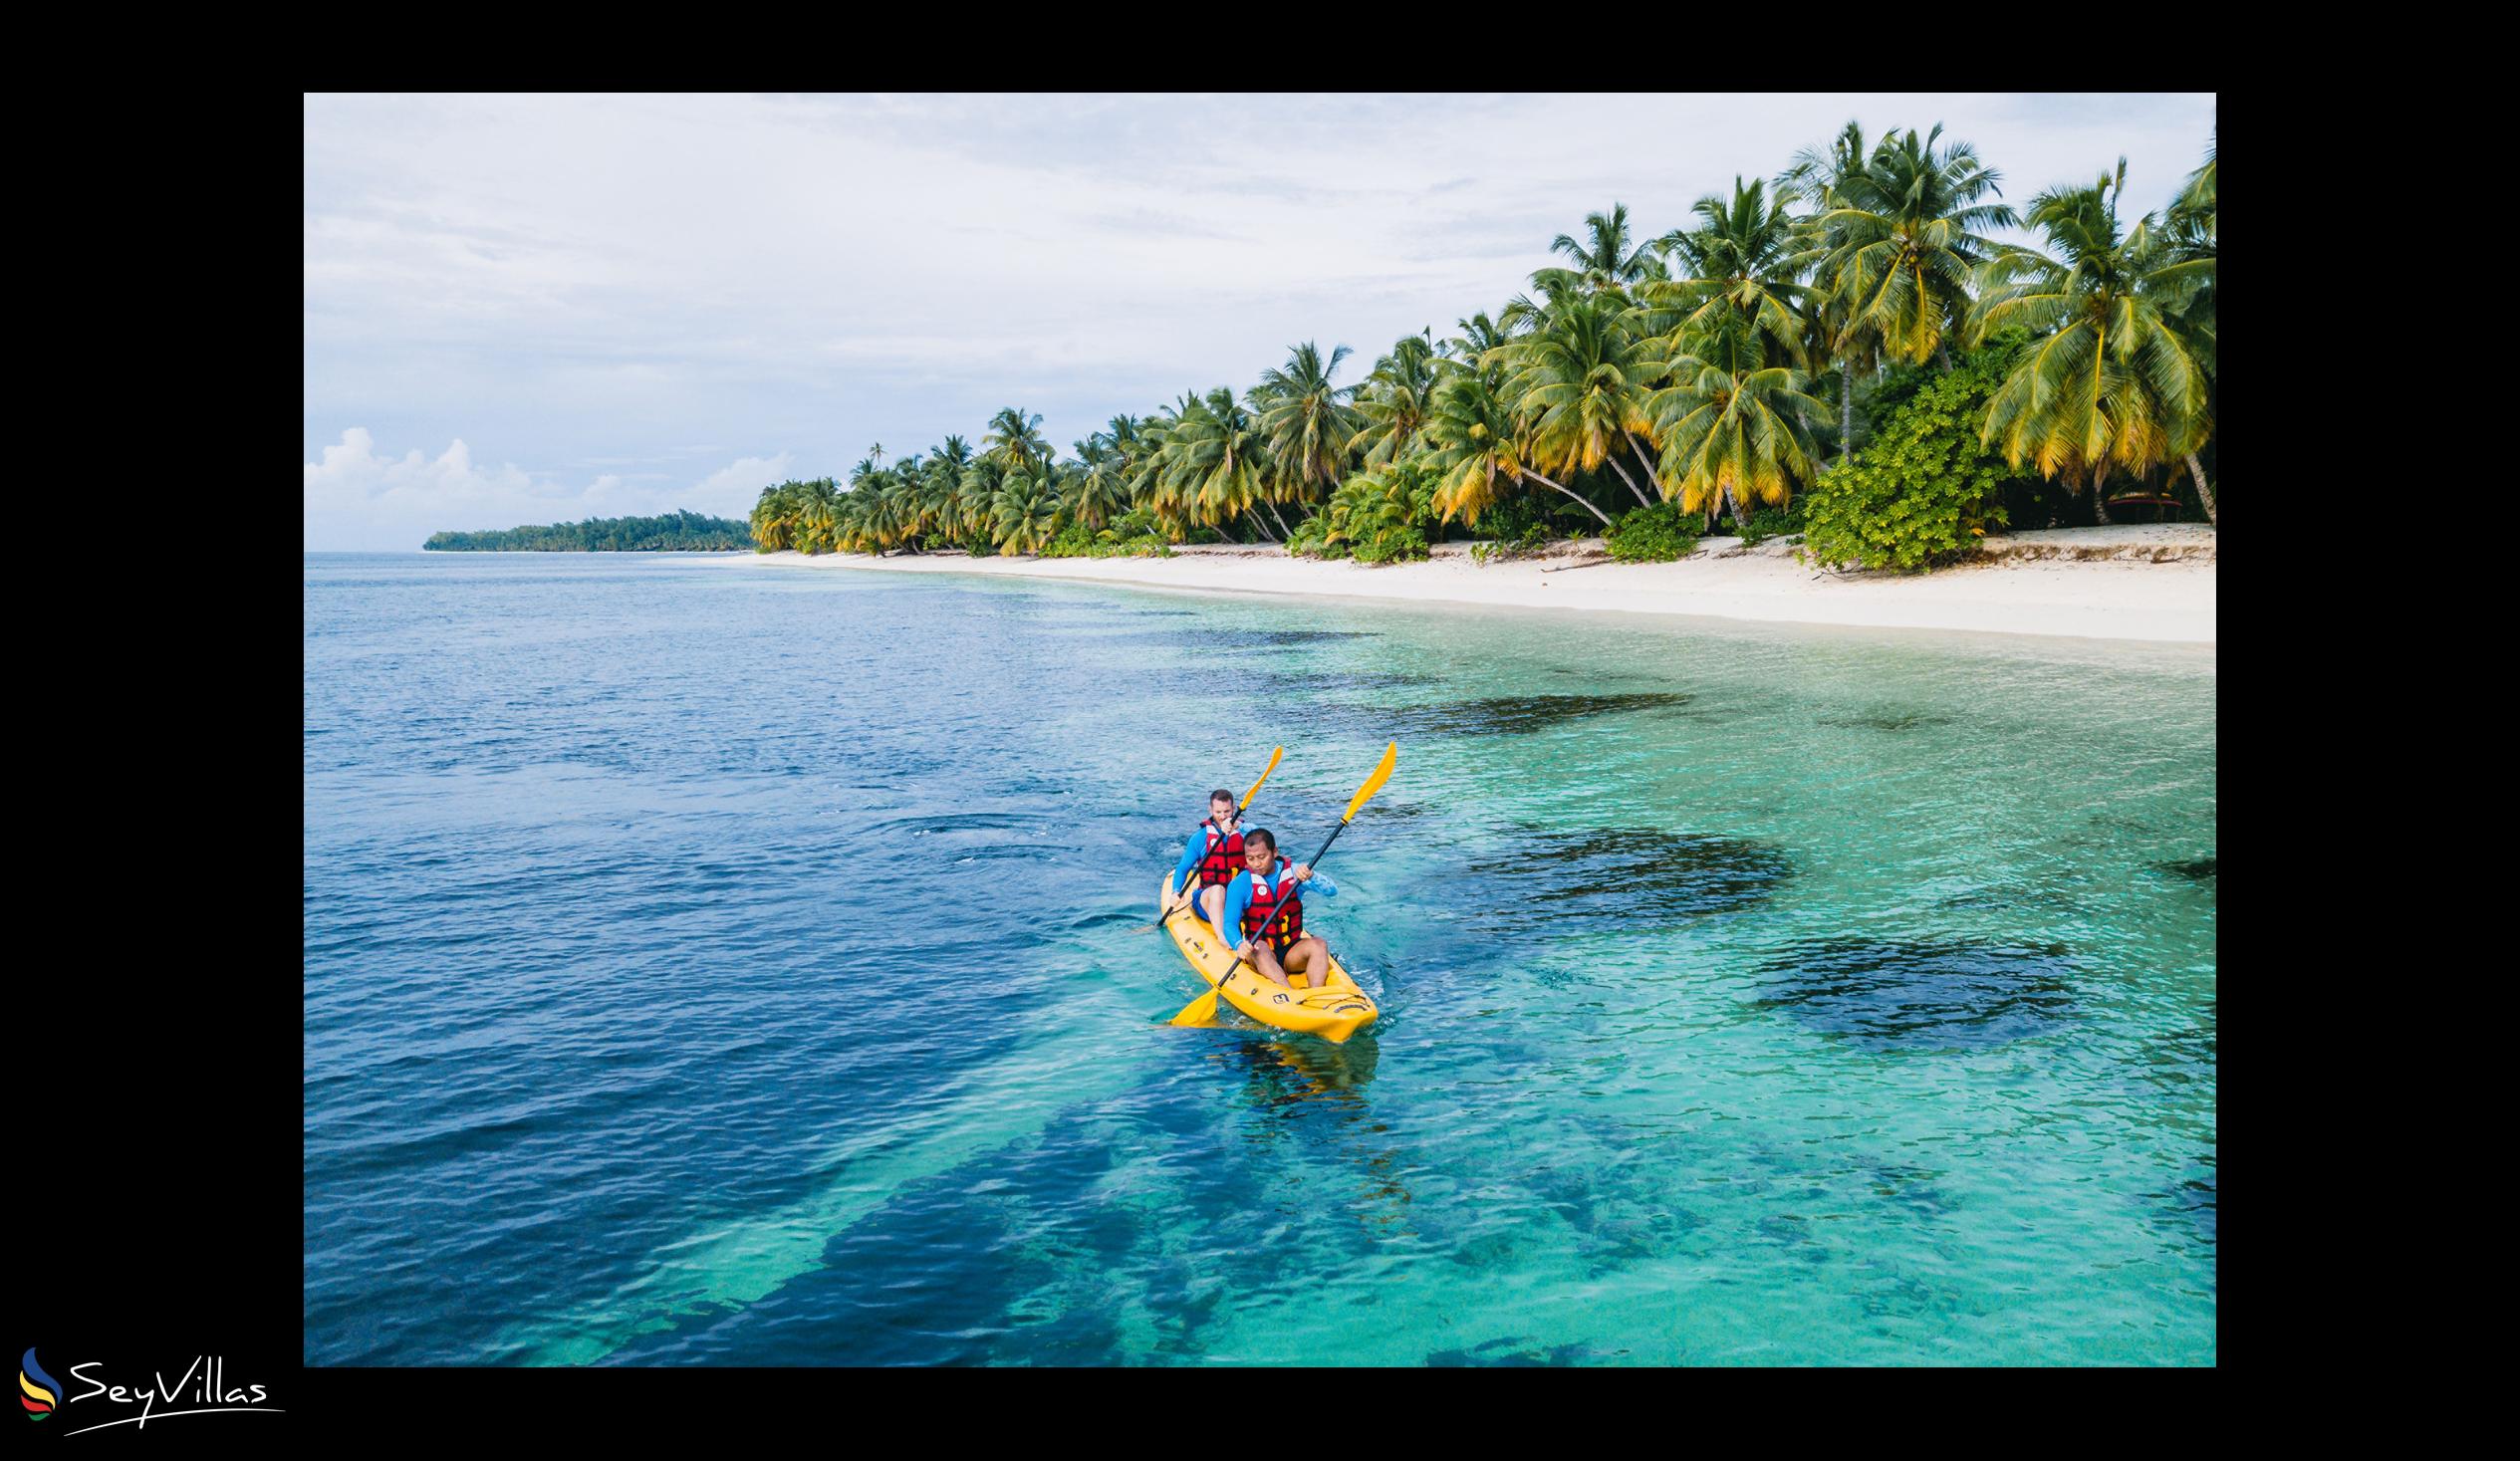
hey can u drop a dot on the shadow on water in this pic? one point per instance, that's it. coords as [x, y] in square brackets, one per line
[1889, 995]
[1235, 642]
[1331, 681]
[1503, 1354]
[1628, 874]
[1517, 714]
[2191, 1203]
[1298, 1069]
[2016, 895]
[2200, 871]
[1888, 718]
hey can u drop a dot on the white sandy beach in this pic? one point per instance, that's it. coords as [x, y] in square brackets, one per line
[2120, 583]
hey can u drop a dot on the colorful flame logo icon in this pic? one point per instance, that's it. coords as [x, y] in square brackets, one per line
[40, 1391]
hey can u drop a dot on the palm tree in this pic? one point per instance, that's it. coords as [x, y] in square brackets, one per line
[1577, 386]
[1099, 492]
[905, 499]
[1822, 174]
[1015, 440]
[1306, 424]
[1905, 235]
[1393, 404]
[1732, 432]
[1472, 441]
[2189, 230]
[1026, 514]
[1150, 484]
[976, 499]
[1608, 259]
[2111, 379]
[1480, 334]
[1214, 461]
[1738, 270]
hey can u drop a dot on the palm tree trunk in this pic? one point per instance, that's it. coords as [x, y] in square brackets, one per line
[1741, 513]
[2100, 504]
[1942, 354]
[1545, 482]
[1613, 458]
[1273, 512]
[1638, 448]
[1259, 529]
[2204, 494]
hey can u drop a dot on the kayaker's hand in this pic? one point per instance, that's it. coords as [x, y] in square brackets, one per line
[1244, 953]
[1302, 873]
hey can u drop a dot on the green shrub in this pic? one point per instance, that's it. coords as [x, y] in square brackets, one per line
[1390, 544]
[1658, 534]
[1924, 492]
[1125, 537]
[1374, 517]
[1532, 540]
[1773, 521]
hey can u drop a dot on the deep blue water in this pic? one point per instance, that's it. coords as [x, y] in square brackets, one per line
[714, 961]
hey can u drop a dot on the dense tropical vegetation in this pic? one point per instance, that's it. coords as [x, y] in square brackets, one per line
[681, 532]
[1844, 351]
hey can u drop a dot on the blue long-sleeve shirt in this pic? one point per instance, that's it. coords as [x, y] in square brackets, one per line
[1238, 898]
[1191, 852]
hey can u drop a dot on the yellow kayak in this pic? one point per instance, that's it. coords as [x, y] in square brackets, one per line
[1333, 1012]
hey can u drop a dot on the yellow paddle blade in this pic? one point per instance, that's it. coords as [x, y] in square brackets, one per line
[1374, 783]
[1200, 1011]
[1264, 776]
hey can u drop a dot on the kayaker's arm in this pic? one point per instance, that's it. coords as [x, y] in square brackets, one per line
[1190, 855]
[1237, 898]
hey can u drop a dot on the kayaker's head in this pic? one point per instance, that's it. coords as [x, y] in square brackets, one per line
[1259, 849]
[1220, 807]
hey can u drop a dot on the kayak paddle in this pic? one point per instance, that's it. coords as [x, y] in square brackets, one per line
[1202, 1010]
[1246, 800]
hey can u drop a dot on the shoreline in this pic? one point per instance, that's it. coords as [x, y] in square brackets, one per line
[2152, 583]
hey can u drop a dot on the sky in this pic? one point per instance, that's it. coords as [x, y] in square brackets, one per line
[525, 309]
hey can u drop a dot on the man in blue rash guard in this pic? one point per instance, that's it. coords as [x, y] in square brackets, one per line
[1215, 852]
[1267, 883]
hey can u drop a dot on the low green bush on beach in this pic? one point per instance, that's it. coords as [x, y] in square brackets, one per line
[1773, 521]
[1923, 493]
[1375, 517]
[1134, 535]
[1533, 539]
[1658, 534]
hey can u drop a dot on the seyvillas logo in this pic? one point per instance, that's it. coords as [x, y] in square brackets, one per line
[204, 1388]
[37, 1391]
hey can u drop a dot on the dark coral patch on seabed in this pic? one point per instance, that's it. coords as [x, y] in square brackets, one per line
[1628, 874]
[1888, 719]
[1889, 995]
[1516, 714]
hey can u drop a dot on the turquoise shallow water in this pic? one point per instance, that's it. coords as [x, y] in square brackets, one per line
[714, 962]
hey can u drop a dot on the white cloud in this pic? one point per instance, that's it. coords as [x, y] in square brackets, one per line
[731, 490]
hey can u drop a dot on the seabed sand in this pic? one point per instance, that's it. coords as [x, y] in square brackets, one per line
[2119, 582]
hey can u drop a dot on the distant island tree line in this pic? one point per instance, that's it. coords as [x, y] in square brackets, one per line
[679, 532]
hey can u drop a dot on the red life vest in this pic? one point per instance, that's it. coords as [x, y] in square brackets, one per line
[1283, 891]
[1223, 860]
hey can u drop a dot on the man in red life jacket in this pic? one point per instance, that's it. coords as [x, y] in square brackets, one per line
[1214, 853]
[1267, 883]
